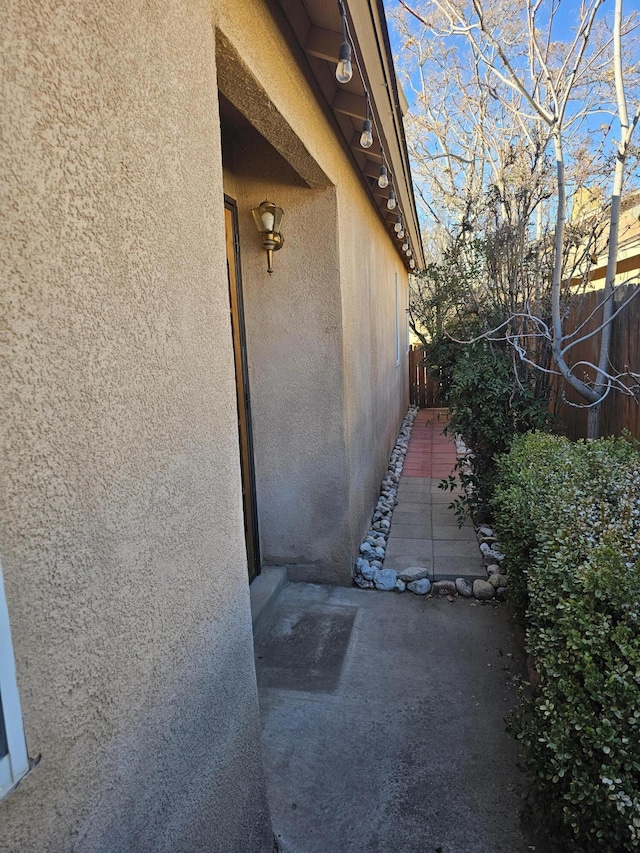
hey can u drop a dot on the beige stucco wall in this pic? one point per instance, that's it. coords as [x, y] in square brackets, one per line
[376, 381]
[122, 538]
[326, 390]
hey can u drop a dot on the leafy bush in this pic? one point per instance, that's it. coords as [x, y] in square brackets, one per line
[489, 405]
[568, 517]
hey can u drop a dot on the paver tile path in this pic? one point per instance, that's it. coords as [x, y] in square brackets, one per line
[424, 531]
[383, 713]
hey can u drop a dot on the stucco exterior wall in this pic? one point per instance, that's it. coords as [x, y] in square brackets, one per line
[376, 362]
[327, 392]
[122, 535]
[122, 540]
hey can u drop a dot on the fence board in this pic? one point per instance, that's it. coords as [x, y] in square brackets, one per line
[619, 411]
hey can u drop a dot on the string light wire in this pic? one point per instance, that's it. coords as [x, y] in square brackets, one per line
[370, 111]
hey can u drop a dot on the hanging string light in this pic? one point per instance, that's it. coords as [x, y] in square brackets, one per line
[366, 137]
[344, 73]
[344, 70]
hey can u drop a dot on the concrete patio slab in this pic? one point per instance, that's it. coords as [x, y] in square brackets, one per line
[397, 547]
[456, 548]
[405, 750]
[451, 566]
[412, 506]
[402, 516]
[410, 488]
[407, 561]
[453, 532]
[441, 497]
[420, 529]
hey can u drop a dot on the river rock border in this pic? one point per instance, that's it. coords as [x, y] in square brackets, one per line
[369, 570]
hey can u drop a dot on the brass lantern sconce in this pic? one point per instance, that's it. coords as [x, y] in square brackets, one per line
[268, 218]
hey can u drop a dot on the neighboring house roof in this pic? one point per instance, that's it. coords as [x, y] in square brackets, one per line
[316, 26]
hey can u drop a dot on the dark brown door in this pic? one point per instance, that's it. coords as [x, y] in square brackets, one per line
[242, 388]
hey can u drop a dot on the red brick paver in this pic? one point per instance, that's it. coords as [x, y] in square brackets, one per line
[430, 453]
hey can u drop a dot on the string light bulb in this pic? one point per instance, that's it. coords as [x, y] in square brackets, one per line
[383, 180]
[391, 201]
[400, 234]
[344, 69]
[366, 137]
[398, 226]
[412, 264]
[405, 246]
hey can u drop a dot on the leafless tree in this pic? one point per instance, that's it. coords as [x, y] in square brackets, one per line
[510, 122]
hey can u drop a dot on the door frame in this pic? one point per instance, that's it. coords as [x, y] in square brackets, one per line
[245, 430]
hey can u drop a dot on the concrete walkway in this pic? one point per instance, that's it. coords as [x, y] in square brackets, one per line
[383, 714]
[424, 531]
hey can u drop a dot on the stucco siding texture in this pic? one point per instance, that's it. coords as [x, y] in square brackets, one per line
[374, 298]
[327, 394]
[295, 353]
[122, 539]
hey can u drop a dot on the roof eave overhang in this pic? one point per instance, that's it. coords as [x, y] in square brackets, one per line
[316, 25]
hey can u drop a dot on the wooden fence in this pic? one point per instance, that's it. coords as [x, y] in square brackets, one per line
[619, 411]
[423, 391]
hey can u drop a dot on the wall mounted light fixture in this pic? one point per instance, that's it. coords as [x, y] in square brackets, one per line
[268, 218]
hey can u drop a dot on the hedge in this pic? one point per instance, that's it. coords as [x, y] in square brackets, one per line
[568, 519]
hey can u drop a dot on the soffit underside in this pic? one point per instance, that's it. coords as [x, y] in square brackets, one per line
[317, 29]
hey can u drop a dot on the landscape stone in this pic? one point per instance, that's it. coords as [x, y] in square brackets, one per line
[501, 593]
[464, 588]
[444, 588]
[482, 590]
[415, 573]
[367, 570]
[420, 587]
[363, 583]
[497, 580]
[400, 585]
[496, 556]
[385, 579]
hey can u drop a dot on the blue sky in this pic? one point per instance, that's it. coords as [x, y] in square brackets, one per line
[566, 19]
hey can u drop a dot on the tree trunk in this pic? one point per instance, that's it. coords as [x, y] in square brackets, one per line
[593, 421]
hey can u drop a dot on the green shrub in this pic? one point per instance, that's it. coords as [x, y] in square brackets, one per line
[568, 517]
[489, 405]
